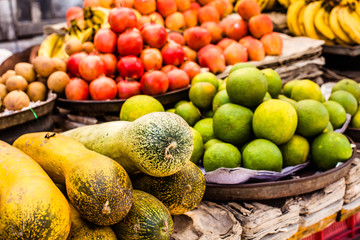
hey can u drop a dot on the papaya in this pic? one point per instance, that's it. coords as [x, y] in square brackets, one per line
[158, 144]
[31, 206]
[98, 187]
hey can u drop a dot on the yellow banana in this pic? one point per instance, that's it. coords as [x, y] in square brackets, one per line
[301, 21]
[336, 28]
[59, 50]
[284, 3]
[47, 46]
[57, 46]
[293, 17]
[270, 4]
[350, 23]
[321, 22]
[309, 15]
[262, 4]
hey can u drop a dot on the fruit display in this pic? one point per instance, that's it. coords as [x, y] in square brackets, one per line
[121, 50]
[335, 22]
[93, 193]
[28, 83]
[251, 120]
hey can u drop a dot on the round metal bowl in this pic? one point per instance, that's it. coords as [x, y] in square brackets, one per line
[308, 180]
[91, 106]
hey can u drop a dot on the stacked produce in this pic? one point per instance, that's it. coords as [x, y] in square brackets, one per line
[335, 22]
[29, 82]
[152, 47]
[250, 120]
[155, 149]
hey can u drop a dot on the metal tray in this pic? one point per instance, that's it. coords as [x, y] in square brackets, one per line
[309, 180]
[91, 106]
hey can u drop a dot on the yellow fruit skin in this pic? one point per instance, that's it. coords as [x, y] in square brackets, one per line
[295, 151]
[293, 13]
[86, 174]
[335, 26]
[355, 120]
[309, 15]
[27, 191]
[321, 22]
[350, 21]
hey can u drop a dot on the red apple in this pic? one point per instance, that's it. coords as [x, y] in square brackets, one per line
[224, 43]
[215, 30]
[154, 35]
[128, 88]
[237, 29]
[110, 62]
[77, 89]
[189, 53]
[145, 6]
[183, 5]
[190, 17]
[235, 53]
[197, 37]
[130, 42]
[75, 13]
[157, 18]
[124, 3]
[224, 23]
[154, 83]
[168, 68]
[73, 63]
[195, 5]
[91, 3]
[107, 3]
[255, 48]
[191, 68]
[175, 21]
[91, 67]
[103, 88]
[173, 54]
[176, 37]
[105, 40]
[152, 59]
[273, 43]
[142, 20]
[208, 13]
[130, 67]
[178, 79]
[122, 18]
[248, 8]
[260, 25]
[212, 57]
[166, 7]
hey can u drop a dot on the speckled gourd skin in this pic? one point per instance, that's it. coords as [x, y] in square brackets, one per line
[81, 229]
[180, 192]
[98, 187]
[31, 206]
[148, 219]
[158, 144]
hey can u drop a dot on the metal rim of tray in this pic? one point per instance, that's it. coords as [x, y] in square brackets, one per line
[277, 189]
[93, 106]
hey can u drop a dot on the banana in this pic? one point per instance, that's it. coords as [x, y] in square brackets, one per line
[270, 4]
[321, 22]
[47, 46]
[292, 17]
[284, 3]
[337, 29]
[309, 16]
[262, 4]
[301, 21]
[59, 49]
[350, 23]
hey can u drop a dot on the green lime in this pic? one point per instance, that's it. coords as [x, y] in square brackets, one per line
[287, 88]
[329, 128]
[267, 97]
[232, 123]
[206, 77]
[355, 120]
[220, 99]
[275, 120]
[261, 154]
[346, 99]
[337, 113]
[306, 89]
[330, 148]
[313, 117]
[188, 112]
[198, 150]
[211, 142]
[172, 110]
[180, 102]
[205, 128]
[246, 86]
[286, 99]
[273, 81]
[221, 155]
[139, 105]
[348, 85]
[241, 65]
[202, 94]
[295, 151]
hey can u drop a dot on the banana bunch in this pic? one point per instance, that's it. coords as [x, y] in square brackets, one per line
[334, 21]
[96, 17]
[52, 46]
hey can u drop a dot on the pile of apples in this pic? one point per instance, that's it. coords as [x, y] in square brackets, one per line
[155, 46]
